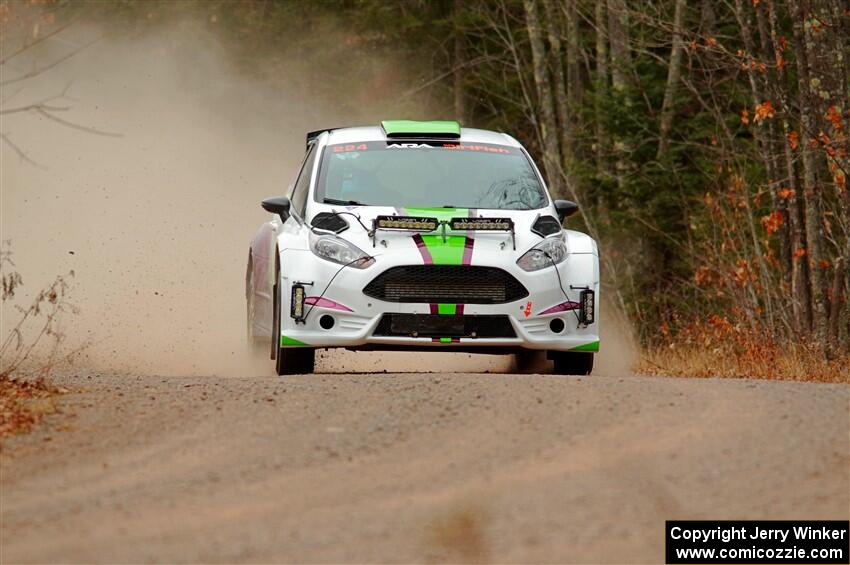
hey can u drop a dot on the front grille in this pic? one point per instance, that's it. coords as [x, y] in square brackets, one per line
[452, 284]
[437, 325]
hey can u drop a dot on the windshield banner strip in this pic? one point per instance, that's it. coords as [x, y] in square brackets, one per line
[423, 144]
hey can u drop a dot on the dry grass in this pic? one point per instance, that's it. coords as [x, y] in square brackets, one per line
[719, 349]
[25, 401]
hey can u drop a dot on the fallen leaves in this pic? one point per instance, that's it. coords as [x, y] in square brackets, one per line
[23, 404]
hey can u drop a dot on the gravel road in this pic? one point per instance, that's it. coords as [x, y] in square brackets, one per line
[413, 467]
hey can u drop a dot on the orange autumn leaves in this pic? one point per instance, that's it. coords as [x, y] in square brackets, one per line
[834, 117]
[773, 221]
[793, 139]
[762, 111]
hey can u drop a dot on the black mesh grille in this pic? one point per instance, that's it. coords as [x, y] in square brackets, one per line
[436, 325]
[452, 284]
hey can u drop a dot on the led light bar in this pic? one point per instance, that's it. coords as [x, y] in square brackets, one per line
[587, 308]
[406, 223]
[482, 224]
[296, 309]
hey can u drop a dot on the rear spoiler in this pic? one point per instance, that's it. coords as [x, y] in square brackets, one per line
[313, 135]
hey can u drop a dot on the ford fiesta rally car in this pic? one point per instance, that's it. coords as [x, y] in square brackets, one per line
[421, 236]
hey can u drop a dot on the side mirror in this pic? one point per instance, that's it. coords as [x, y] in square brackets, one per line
[565, 208]
[278, 205]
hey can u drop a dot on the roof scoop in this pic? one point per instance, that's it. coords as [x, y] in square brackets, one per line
[410, 129]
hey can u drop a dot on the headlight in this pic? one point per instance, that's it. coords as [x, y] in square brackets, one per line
[536, 258]
[339, 251]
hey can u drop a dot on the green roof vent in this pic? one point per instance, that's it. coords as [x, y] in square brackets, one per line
[438, 129]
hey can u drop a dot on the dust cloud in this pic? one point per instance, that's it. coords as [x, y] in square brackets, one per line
[156, 223]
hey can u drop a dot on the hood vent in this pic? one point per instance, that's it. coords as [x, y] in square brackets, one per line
[545, 226]
[329, 221]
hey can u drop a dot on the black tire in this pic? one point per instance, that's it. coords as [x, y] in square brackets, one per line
[287, 360]
[258, 344]
[295, 360]
[275, 345]
[530, 361]
[572, 362]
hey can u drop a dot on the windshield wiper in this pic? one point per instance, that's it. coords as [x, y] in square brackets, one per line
[343, 202]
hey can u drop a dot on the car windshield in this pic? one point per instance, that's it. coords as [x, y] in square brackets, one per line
[418, 174]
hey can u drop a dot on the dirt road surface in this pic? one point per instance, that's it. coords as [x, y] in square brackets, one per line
[413, 467]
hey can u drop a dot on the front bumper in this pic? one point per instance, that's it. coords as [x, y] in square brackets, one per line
[356, 315]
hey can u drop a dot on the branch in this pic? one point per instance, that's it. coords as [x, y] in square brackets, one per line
[20, 152]
[37, 41]
[66, 123]
[36, 72]
[38, 106]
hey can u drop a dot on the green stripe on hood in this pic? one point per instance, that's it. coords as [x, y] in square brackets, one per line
[450, 250]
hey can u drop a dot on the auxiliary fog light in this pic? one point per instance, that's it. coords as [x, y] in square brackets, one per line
[296, 309]
[587, 308]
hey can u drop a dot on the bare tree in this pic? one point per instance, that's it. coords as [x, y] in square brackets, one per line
[674, 73]
[547, 123]
[50, 108]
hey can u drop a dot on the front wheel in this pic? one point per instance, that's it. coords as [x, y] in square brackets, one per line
[287, 360]
[572, 362]
[295, 360]
[258, 344]
[530, 361]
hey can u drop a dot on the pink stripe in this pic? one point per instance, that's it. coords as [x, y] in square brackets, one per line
[467, 257]
[562, 307]
[423, 250]
[467, 250]
[326, 303]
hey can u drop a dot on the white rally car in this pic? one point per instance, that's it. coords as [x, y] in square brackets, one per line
[421, 236]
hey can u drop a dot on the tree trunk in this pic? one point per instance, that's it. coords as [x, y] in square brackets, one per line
[800, 301]
[459, 61]
[764, 149]
[574, 93]
[547, 123]
[618, 26]
[674, 73]
[559, 80]
[772, 88]
[811, 189]
[603, 141]
[618, 30]
[835, 308]
[839, 34]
